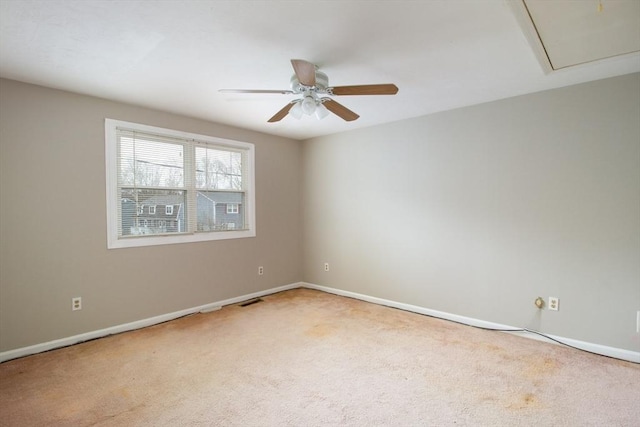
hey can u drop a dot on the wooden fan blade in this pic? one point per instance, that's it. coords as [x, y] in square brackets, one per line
[281, 114]
[305, 71]
[339, 110]
[383, 89]
[283, 92]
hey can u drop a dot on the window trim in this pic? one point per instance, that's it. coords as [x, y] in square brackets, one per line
[111, 164]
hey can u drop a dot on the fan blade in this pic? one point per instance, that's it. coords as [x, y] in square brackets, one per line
[283, 92]
[384, 89]
[305, 71]
[339, 109]
[281, 114]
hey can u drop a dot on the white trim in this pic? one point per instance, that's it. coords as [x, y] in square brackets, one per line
[111, 165]
[75, 339]
[618, 353]
[521, 13]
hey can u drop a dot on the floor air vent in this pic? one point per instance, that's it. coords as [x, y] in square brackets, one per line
[250, 302]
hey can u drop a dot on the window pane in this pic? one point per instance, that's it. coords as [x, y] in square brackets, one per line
[220, 210]
[152, 211]
[150, 163]
[218, 169]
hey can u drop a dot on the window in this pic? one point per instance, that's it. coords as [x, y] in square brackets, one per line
[192, 176]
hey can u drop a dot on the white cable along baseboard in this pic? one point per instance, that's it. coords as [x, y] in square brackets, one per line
[618, 353]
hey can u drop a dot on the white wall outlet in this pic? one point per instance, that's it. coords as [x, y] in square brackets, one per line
[326, 266]
[554, 303]
[260, 271]
[76, 303]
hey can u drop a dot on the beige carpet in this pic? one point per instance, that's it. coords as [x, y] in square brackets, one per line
[307, 358]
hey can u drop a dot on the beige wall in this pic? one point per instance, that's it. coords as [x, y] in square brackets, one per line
[474, 212]
[53, 223]
[478, 211]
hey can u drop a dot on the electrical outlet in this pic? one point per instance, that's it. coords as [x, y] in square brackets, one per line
[76, 303]
[326, 266]
[638, 322]
[554, 303]
[260, 271]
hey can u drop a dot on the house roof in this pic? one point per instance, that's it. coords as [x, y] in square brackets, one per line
[164, 200]
[221, 196]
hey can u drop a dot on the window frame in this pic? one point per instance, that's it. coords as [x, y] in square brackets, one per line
[113, 202]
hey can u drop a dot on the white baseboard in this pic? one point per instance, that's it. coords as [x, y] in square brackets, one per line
[631, 356]
[75, 339]
[618, 353]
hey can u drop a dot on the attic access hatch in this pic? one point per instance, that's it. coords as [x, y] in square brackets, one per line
[567, 33]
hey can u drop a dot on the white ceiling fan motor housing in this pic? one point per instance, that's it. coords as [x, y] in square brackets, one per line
[322, 83]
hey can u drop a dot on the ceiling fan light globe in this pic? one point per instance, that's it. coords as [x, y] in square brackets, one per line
[321, 111]
[296, 111]
[308, 105]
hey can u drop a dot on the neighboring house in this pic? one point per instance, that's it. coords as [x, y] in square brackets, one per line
[156, 215]
[216, 211]
[220, 210]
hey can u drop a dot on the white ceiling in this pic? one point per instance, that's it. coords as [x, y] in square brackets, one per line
[175, 55]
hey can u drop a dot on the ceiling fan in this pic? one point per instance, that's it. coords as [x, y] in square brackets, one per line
[311, 83]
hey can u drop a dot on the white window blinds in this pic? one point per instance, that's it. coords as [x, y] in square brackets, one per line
[164, 183]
